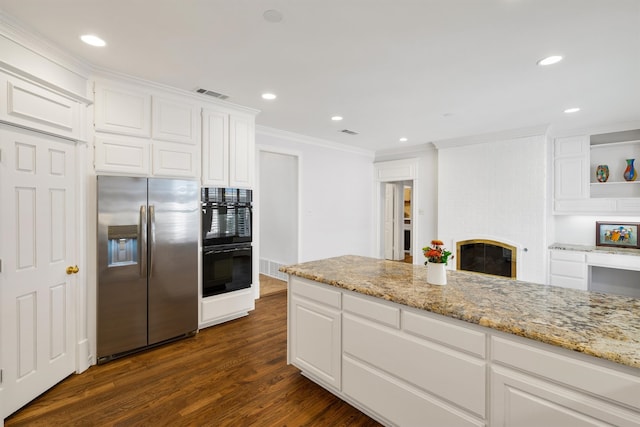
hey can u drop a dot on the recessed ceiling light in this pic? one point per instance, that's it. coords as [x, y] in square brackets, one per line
[549, 60]
[403, 139]
[336, 118]
[572, 110]
[269, 96]
[92, 40]
[272, 15]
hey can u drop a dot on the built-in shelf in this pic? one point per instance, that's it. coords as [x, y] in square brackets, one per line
[595, 146]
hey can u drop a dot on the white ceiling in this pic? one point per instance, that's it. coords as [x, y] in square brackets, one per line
[427, 70]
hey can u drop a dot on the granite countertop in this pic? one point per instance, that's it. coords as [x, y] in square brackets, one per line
[596, 249]
[601, 325]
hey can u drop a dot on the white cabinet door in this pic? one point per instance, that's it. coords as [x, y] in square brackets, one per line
[520, 400]
[37, 244]
[571, 168]
[215, 148]
[32, 106]
[175, 120]
[241, 150]
[315, 341]
[172, 159]
[123, 110]
[228, 149]
[125, 155]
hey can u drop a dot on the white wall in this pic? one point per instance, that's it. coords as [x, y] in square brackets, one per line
[497, 190]
[336, 195]
[425, 191]
[278, 207]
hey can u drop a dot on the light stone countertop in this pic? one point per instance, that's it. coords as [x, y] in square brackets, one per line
[600, 325]
[597, 249]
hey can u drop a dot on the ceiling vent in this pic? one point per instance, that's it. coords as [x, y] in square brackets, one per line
[349, 132]
[212, 93]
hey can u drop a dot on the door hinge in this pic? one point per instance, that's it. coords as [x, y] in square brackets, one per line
[0, 376]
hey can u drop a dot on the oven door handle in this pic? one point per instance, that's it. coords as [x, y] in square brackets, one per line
[226, 251]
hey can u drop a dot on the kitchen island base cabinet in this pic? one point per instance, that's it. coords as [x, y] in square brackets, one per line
[520, 400]
[314, 333]
[407, 367]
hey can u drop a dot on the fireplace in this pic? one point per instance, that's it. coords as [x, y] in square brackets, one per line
[486, 256]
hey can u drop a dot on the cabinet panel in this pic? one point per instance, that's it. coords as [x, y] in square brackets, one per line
[607, 383]
[453, 376]
[377, 312]
[224, 307]
[451, 335]
[215, 148]
[175, 120]
[122, 155]
[520, 400]
[38, 108]
[396, 401]
[571, 146]
[315, 340]
[570, 180]
[174, 159]
[317, 292]
[241, 150]
[122, 110]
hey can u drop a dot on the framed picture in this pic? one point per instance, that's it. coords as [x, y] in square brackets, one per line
[617, 234]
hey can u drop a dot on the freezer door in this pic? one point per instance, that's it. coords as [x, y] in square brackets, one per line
[174, 226]
[122, 265]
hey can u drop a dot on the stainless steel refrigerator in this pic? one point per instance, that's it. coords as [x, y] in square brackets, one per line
[148, 231]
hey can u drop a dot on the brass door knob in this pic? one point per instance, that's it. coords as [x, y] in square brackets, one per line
[72, 270]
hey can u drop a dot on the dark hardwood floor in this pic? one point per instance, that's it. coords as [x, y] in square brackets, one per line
[234, 374]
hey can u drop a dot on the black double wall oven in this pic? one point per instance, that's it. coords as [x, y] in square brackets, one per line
[226, 240]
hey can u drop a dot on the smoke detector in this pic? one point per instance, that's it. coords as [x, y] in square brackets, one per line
[212, 93]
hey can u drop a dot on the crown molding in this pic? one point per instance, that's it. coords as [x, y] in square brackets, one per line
[295, 137]
[36, 43]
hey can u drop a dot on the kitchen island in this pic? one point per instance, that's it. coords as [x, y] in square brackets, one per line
[479, 351]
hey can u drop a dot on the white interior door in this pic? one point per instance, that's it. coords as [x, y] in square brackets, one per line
[37, 244]
[389, 222]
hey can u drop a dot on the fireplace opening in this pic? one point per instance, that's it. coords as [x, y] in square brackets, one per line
[487, 256]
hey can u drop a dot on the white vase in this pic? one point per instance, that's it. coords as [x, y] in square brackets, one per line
[436, 273]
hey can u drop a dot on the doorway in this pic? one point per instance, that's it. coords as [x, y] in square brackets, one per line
[395, 216]
[277, 208]
[398, 228]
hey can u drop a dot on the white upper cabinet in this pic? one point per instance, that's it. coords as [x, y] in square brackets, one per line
[144, 132]
[577, 189]
[228, 148]
[175, 120]
[121, 109]
[37, 107]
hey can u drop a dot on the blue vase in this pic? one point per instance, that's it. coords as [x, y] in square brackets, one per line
[630, 173]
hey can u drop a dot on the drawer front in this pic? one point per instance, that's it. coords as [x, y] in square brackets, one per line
[568, 269]
[568, 282]
[377, 312]
[439, 370]
[315, 291]
[445, 333]
[568, 256]
[399, 403]
[629, 262]
[608, 383]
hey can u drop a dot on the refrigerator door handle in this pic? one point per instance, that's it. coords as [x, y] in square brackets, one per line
[143, 241]
[152, 237]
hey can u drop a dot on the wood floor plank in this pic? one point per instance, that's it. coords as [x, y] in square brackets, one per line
[234, 374]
